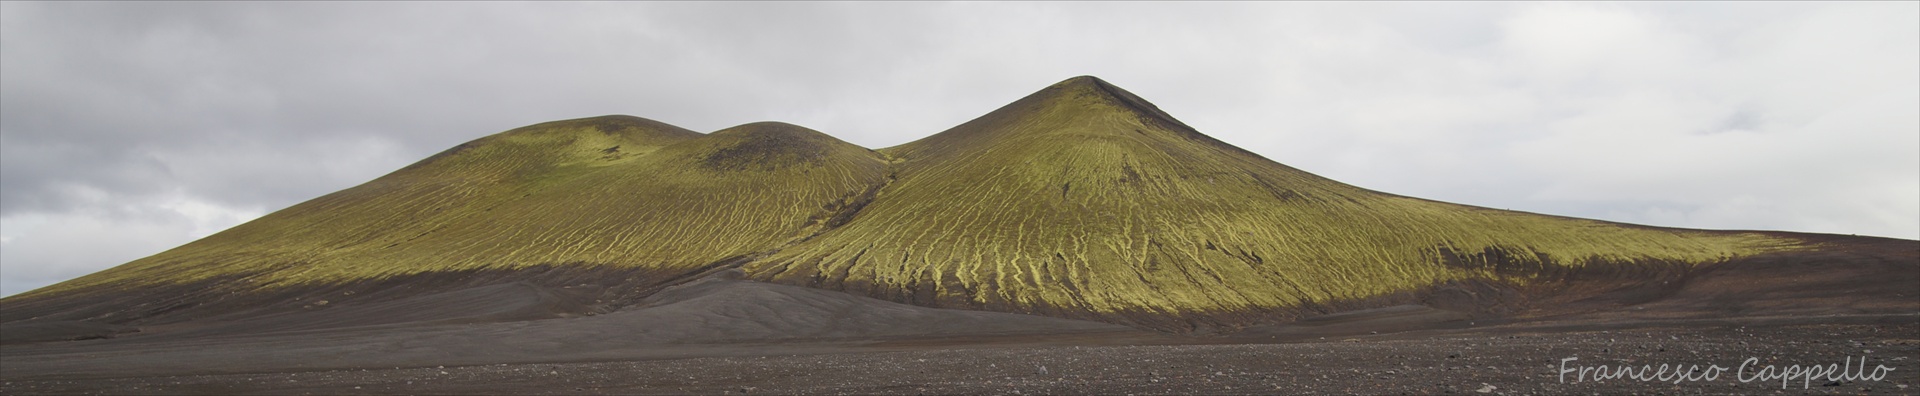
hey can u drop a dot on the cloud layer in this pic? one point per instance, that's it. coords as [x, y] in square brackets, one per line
[129, 128]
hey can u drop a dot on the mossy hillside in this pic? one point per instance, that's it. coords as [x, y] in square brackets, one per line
[737, 192]
[1079, 200]
[1083, 198]
[607, 191]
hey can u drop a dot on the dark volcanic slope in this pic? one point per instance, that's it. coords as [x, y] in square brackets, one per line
[443, 331]
[1079, 201]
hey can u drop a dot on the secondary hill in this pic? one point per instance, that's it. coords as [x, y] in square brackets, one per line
[1079, 201]
[611, 199]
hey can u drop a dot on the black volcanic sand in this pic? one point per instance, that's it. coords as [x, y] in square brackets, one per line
[718, 334]
[1492, 360]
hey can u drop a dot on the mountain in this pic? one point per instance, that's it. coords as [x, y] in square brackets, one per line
[1080, 201]
[1083, 200]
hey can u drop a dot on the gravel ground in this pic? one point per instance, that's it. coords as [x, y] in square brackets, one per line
[1465, 364]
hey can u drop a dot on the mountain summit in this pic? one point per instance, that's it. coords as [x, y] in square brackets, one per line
[1079, 201]
[1083, 200]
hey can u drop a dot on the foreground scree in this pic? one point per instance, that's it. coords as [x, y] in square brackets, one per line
[1496, 361]
[1077, 240]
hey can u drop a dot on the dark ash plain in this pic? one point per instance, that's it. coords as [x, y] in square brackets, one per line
[1496, 360]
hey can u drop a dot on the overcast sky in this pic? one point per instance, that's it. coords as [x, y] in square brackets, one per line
[128, 128]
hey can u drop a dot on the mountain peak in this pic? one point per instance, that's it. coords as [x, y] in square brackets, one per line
[1083, 106]
[625, 126]
[1132, 101]
[560, 141]
[770, 145]
[769, 129]
[1082, 81]
[1094, 86]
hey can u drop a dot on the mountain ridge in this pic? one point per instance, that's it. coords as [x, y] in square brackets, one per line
[1081, 200]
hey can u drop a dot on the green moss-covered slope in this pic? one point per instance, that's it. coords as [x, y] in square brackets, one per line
[1085, 198]
[1080, 200]
[608, 191]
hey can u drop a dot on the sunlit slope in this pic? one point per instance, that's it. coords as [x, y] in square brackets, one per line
[1082, 199]
[609, 191]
